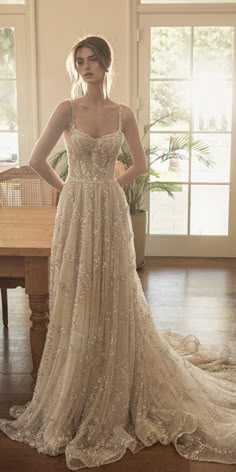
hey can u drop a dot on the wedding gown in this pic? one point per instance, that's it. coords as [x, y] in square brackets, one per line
[108, 379]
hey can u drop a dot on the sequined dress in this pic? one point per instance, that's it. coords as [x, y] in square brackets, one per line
[109, 380]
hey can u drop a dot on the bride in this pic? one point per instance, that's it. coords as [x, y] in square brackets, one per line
[109, 380]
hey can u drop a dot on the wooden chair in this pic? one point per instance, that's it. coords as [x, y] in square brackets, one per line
[22, 186]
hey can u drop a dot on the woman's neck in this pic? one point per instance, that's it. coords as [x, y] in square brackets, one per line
[95, 96]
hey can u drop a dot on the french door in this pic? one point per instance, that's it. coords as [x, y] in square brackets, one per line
[186, 90]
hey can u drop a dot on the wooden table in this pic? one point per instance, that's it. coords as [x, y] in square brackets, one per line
[25, 245]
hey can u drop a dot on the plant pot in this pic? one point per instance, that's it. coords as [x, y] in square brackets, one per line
[139, 228]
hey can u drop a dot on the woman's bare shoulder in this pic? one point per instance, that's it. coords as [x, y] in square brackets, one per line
[64, 107]
[128, 115]
[62, 113]
[127, 111]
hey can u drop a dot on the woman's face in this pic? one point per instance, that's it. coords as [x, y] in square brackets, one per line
[88, 65]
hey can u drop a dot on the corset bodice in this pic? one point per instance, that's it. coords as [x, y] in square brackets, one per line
[92, 159]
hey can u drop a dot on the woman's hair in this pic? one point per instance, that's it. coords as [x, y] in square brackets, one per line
[103, 52]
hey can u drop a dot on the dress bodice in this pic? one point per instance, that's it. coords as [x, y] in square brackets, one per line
[92, 159]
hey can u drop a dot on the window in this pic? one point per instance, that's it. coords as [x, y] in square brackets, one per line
[9, 150]
[18, 122]
[185, 86]
[191, 76]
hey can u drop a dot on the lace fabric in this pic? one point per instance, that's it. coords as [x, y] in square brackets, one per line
[109, 380]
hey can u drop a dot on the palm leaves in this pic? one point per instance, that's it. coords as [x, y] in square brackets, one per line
[179, 147]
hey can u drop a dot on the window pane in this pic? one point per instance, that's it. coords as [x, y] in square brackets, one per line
[220, 150]
[212, 104]
[169, 215]
[9, 147]
[170, 52]
[8, 113]
[213, 51]
[170, 98]
[209, 210]
[7, 53]
[171, 166]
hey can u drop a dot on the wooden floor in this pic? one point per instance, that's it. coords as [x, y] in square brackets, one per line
[187, 295]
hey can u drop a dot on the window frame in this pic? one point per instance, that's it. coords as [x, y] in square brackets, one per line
[177, 245]
[27, 82]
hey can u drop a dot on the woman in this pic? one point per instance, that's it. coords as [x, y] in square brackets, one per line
[108, 379]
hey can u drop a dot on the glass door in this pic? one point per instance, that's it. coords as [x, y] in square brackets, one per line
[186, 90]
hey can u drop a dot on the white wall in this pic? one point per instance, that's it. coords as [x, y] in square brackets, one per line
[58, 25]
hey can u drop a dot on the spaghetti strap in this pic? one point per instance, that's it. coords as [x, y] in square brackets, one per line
[120, 117]
[72, 103]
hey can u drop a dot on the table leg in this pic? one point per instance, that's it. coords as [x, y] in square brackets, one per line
[36, 286]
[38, 330]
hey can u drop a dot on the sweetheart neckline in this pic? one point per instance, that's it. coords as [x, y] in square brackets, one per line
[98, 137]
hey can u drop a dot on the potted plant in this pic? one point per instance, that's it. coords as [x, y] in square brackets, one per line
[135, 191]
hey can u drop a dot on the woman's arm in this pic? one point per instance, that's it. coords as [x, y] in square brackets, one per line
[57, 123]
[132, 136]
